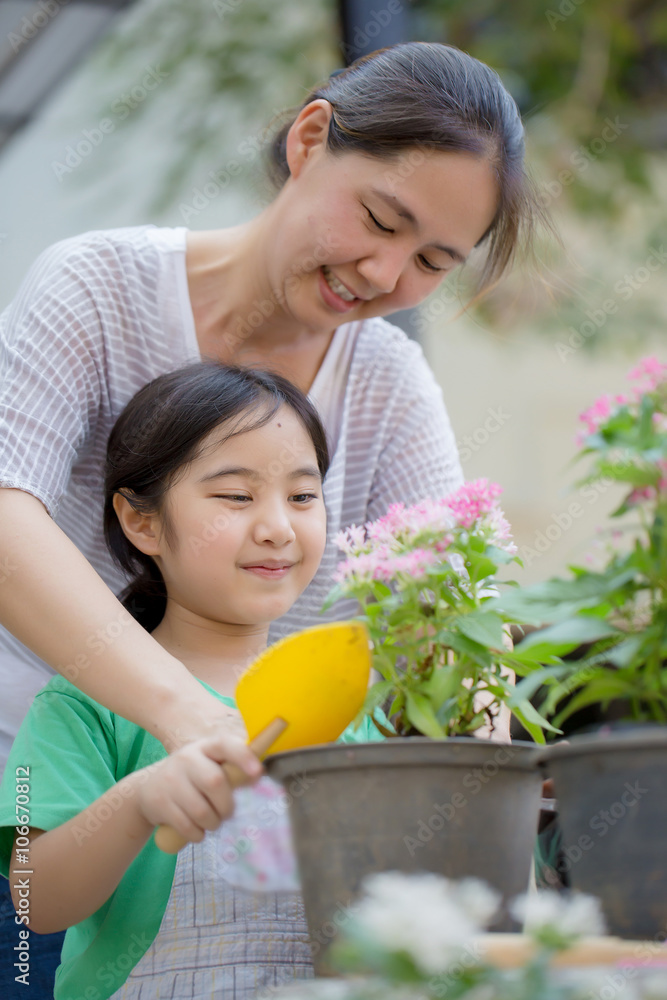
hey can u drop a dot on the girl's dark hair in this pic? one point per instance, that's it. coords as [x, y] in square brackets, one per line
[160, 431]
[423, 94]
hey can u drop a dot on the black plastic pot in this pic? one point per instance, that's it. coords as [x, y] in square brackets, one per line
[458, 807]
[611, 790]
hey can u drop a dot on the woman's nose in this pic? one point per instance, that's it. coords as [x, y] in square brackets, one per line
[383, 269]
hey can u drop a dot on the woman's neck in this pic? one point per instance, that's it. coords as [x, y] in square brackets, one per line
[228, 280]
[215, 652]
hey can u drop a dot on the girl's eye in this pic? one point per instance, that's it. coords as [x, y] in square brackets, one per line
[428, 265]
[383, 229]
[304, 497]
[236, 497]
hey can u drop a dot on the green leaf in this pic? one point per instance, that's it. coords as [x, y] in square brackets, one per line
[442, 684]
[376, 694]
[527, 687]
[480, 567]
[530, 659]
[483, 627]
[567, 635]
[636, 475]
[397, 704]
[557, 599]
[465, 647]
[500, 557]
[600, 691]
[623, 654]
[527, 713]
[420, 713]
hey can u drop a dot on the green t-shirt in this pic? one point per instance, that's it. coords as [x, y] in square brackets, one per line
[75, 750]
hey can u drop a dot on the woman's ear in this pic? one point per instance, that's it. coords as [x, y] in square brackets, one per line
[308, 134]
[143, 530]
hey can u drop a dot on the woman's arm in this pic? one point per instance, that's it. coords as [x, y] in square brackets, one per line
[54, 350]
[53, 601]
[76, 866]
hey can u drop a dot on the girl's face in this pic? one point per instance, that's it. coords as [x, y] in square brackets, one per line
[246, 525]
[363, 236]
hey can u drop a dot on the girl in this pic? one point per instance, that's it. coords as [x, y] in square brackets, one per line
[214, 504]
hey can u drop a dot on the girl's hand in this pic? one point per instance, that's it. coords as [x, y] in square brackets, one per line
[189, 789]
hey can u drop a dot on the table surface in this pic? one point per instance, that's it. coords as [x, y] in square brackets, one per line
[509, 951]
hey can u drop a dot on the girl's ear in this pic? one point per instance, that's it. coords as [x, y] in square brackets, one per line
[308, 134]
[143, 530]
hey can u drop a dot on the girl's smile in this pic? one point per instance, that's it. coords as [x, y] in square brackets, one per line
[270, 569]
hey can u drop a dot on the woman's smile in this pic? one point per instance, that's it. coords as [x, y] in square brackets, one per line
[335, 294]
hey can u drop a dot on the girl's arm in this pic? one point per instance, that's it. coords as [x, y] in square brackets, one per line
[78, 865]
[52, 599]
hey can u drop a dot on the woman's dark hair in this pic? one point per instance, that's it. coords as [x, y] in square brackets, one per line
[423, 94]
[160, 431]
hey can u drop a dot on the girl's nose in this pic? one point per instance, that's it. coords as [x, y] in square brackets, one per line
[274, 526]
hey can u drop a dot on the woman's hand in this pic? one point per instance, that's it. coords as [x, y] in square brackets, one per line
[188, 790]
[203, 716]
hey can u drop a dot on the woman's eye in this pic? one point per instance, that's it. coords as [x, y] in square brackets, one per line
[428, 265]
[384, 229]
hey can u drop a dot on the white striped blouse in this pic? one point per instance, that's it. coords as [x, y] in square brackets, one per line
[101, 314]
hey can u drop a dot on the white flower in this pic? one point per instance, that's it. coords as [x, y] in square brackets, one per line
[478, 900]
[570, 916]
[429, 917]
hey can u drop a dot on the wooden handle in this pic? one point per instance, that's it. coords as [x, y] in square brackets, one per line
[168, 839]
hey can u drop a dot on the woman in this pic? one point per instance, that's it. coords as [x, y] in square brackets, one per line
[392, 172]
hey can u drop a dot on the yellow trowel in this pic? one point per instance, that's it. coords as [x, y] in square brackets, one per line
[304, 690]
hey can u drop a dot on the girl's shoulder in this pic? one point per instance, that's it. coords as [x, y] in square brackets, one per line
[63, 714]
[60, 697]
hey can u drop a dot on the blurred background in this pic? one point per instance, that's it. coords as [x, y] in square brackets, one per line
[117, 113]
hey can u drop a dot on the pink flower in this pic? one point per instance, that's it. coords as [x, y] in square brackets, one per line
[407, 541]
[594, 417]
[350, 539]
[415, 564]
[640, 495]
[385, 566]
[473, 500]
[651, 372]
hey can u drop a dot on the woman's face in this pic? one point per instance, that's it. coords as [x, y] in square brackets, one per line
[247, 525]
[362, 236]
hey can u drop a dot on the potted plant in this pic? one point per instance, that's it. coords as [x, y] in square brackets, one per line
[612, 785]
[425, 578]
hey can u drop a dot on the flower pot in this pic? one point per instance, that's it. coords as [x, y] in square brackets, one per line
[457, 807]
[611, 790]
